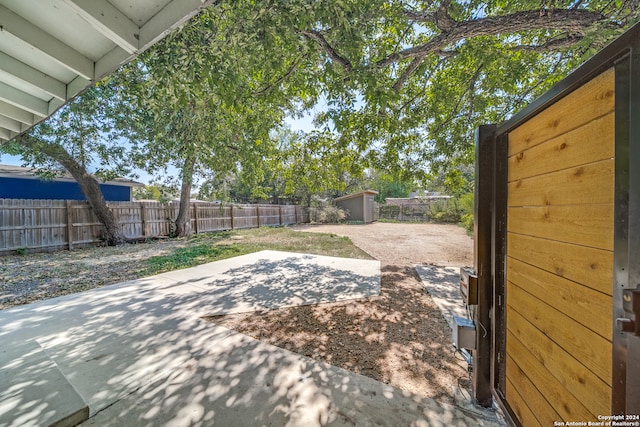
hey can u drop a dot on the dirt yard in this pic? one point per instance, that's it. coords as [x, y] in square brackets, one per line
[400, 337]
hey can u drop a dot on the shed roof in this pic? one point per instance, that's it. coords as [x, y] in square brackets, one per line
[354, 195]
[51, 50]
[10, 171]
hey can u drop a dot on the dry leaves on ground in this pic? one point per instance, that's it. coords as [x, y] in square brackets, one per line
[399, 338]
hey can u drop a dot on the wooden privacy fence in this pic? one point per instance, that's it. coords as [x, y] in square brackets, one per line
[57, 224]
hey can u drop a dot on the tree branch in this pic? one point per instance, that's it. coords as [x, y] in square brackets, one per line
[574, 21]
[324, 44]
[407, 73]
[424, 88]
[443, 20]
[472, 89]
[279, 79]
[440, 17]
[420, 16]
[550, 45]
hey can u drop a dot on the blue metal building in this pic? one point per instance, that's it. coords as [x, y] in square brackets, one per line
[21, 183]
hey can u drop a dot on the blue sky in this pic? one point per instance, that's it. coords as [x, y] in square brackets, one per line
[303, 124]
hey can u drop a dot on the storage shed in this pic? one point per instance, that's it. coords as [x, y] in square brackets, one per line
[359, 205]
[22, 183]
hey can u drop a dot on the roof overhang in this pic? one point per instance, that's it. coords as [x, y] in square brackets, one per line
[354, 195]
[51, 50]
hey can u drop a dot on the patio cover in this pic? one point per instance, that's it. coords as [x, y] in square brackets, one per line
[51, 50]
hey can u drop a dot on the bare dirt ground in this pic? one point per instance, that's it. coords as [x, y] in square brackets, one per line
[400, 337]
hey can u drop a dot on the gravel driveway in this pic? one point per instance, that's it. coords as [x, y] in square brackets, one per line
[406, 243]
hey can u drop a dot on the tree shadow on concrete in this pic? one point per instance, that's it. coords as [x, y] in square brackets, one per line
[267, 283]
[138, 354]
[399, 337]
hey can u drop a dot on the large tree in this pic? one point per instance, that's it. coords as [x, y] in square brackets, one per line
[206, 99]
[406, 82]
[79, 138]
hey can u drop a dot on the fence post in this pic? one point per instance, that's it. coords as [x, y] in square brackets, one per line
[233, 226]
[195, 213]
[280, 214]
[258, 214]
[295, 214]
[69, 225]
[143, 218]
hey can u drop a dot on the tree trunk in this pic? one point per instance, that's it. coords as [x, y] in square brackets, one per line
[88, 185]
[91, 190]
[183, 221]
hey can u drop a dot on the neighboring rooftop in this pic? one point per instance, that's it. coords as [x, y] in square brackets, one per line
[10, 171]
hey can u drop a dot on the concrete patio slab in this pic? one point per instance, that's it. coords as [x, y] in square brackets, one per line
[244, 382]
[442, 284]
[272, 279]
[137, 353]
[106, 343]
[34, 391]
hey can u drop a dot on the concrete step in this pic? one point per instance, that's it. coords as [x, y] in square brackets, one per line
[34, 391]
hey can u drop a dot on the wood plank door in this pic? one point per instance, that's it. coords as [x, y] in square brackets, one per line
[559, 258]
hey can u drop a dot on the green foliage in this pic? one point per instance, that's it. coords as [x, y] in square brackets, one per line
[404, 103]
[22, 251]
[445, 211]
[205, 100]
[455, 210]
[466, 206]
[188, 257]
[160, 193]
[83, 130]
[386, 185]
[314, 164]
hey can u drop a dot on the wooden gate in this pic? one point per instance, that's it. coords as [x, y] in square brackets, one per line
[560, 258]
[560, 269]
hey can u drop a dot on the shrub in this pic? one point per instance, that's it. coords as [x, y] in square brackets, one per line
[327, 214]
[467, 222]
[444, 211]
[458, 210]
[332, 215]
[466, 203]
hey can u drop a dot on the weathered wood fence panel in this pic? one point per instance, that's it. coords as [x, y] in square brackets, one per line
[289, 214]
[269, 215]
[213, 218]
[245, 217]
[302, 215]
[411, 211]
[58, 224]
[33, 223]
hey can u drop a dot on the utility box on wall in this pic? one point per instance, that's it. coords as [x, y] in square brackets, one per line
[464, 333]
